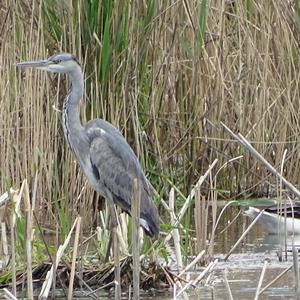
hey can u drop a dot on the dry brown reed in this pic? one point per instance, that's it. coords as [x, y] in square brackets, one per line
[261, 278]
[275, 279]
[202, 274]
[165, 95]
[227, 285]
[9, 295]
[149, 75]
[74, 259]
[51, 274]
[135, 211]
[175, 231]
[296, 272]
[29, 238]
[4, 254]
[201, 220]
[243, 235]
[116, 256]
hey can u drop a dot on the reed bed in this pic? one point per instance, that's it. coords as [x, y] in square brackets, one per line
[150, 74]
[166, 73]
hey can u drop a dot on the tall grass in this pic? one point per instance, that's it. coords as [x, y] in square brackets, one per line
[165, 73]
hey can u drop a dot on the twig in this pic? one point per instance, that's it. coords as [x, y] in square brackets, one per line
[244, 234]
[4, 198]
[201, 220]
[254, 152]
[16, 199]
[105, 286]
[214, 200]
[135, 210]
[91, 291]
[190, 197]
[9, 295]
[116, 253]
[227, 286]
[208, 269]
[87, 240]
[48, 281]
[42, 236]
[72, 275]
[13, 255]
[4, 244]
[235, 218]
[296, 271]
[199, 278]
[33, 197]
[192, 263]
[275, 279]
[184, 294]
[170, 280]
[175, 231]
[192, 194]
[261, 279]
[29, 233]
[123, 232]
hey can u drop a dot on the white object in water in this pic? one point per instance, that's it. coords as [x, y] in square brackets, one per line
[275, 223]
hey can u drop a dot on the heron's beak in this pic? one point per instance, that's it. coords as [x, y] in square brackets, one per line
[39, 64]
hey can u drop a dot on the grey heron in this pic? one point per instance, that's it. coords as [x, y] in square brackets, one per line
[103, 154]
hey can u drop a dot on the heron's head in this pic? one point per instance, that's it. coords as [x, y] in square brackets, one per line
[59, 63]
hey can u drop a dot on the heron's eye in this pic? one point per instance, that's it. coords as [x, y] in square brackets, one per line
[57, 61]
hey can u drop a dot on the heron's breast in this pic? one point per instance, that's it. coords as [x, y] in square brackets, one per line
[82, 154]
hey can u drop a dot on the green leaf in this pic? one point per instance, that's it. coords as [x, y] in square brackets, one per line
[201, 26]
[106, 52]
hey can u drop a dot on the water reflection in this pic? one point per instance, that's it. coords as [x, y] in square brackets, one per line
[243, 267]
[257, 240]
[279, 240]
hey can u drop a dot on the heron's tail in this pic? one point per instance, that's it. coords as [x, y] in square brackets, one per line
[150, 226]
[149, 216]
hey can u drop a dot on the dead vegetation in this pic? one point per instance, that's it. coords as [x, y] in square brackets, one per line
[166, 73]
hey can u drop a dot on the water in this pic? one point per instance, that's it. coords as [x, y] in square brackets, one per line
[243, 268]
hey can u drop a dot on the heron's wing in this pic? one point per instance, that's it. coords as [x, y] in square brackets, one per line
[110, 170]
[113, 139]
[115, 166]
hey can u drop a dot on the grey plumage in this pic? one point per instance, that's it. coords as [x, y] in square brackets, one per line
[105, 157]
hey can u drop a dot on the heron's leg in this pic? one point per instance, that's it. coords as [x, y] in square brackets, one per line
[113, 219]
[112, 227]
[113, 224]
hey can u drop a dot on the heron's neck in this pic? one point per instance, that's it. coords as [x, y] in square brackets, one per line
[71, 116]
[77, 87]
